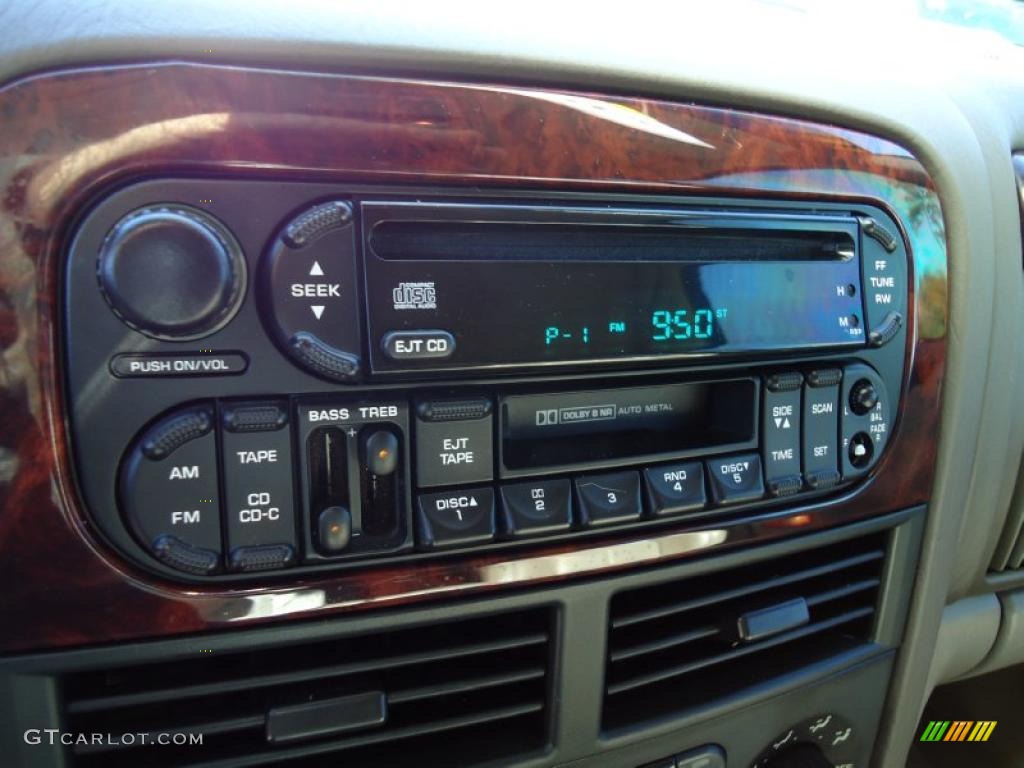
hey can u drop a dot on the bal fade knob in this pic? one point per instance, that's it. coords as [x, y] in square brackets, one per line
[172, 272]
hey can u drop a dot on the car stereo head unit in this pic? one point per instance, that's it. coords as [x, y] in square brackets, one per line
[292, 377]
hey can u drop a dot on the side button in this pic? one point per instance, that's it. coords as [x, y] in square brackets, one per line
[780, 433]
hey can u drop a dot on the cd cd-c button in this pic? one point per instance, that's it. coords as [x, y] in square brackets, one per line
[260, 527]
[736, 478]
[608, 499]
[418, 345]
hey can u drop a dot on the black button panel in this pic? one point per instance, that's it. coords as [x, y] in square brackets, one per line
[298, 482]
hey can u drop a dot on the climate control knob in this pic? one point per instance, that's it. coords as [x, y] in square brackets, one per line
[172, 272]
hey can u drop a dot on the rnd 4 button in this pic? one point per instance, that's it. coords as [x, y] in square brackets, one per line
[258, 485]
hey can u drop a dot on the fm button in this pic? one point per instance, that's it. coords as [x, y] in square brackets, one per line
[169, 491]
[418, 345]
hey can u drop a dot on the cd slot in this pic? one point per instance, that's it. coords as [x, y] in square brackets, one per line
[596, 242]
[556, 431]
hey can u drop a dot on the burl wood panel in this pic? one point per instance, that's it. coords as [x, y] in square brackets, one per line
[65, 136]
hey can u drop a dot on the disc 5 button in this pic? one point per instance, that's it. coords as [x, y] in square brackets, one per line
[736, 478]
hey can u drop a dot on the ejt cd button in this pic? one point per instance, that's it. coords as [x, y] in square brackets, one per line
[258, 487]
[418, 345]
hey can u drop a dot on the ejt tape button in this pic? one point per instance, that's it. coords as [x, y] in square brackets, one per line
[454, 442]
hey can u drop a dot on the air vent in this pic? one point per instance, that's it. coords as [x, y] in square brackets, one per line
[683, 644]
[452, 694]
[1009, 554]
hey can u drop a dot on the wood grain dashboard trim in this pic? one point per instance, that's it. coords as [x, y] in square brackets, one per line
[67, 136]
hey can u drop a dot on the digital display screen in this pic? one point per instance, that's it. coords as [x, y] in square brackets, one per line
[518, 294]
[738, 307]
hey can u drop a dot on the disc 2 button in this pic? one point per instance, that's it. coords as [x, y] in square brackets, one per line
[456, 518]
[675, 488]
[610, 498]
[530, 509]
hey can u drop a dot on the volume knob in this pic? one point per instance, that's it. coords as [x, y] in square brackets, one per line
[172, 272]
